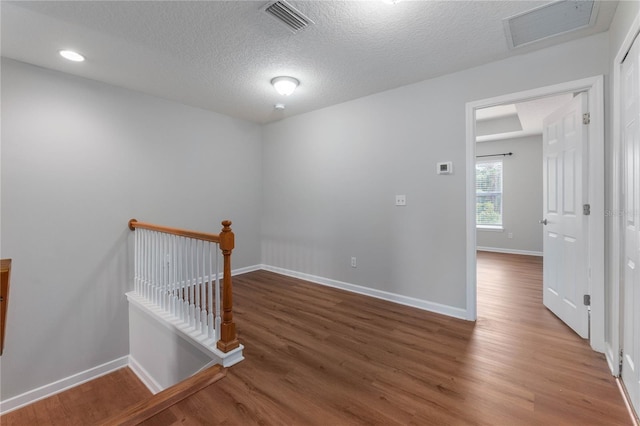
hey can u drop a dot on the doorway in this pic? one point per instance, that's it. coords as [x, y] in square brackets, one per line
[519, 197]
[593, 87]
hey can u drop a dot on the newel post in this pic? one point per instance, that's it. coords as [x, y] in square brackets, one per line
[228, 338]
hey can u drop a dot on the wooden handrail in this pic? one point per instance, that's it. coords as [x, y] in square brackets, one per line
[214, 238]
[159, 402]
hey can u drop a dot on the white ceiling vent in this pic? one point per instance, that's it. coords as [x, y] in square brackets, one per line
[288, 15]
[549, 20]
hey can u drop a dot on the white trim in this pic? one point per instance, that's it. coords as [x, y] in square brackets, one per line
[612, 348]
[244, 270]
[509, 251]
[378, 294]
[490, 228]
[61, 385]
[595, 88]
[472, 313]
[596, 218]
[189, 334]
[144, 376]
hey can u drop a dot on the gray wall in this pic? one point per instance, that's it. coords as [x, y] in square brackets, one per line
[330, 176]
[522, 195]
[79, 159]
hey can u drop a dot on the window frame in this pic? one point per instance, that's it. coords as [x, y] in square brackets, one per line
[491, 227]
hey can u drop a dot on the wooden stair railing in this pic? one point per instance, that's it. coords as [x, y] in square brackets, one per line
[226, 242]
[159, 402]
[5, 275]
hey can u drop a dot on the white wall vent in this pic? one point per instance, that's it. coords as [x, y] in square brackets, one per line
[288, 15]
[549, 20]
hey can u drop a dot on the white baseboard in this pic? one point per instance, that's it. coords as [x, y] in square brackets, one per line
[379, 294]
[61, 385]
[510, 251]
[246, 269]
[144, 376]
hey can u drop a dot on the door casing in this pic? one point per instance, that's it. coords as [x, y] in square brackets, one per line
[612, 345]
[594, 86]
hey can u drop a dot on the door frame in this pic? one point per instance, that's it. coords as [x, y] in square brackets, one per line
[594, 86]
[612, 346]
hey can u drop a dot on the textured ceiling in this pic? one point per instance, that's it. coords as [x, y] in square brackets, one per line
[221, 55]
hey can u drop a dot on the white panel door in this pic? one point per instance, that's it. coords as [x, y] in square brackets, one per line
[565, 242]
[630, 292]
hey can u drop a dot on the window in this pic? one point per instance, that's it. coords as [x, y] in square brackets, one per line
[489, 194]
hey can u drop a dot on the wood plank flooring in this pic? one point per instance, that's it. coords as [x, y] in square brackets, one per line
[87, 404]
[321, 356]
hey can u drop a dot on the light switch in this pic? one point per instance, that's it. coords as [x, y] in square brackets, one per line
[401, 200]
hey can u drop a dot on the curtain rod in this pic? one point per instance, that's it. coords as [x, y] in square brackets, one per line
[495, 155]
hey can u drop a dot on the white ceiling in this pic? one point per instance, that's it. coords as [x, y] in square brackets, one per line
[529, 114]
[221, 55]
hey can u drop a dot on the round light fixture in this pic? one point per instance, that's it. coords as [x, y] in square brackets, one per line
[279, 107]
[285, 85]
[71, 55]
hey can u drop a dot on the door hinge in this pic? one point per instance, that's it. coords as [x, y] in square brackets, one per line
[586, 118]
[586, 209]
[621, 363]
[587, 300]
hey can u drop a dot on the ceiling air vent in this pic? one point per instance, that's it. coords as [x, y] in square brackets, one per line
[288, 15]
[549, 20]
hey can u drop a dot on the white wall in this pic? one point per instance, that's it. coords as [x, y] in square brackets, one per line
[179, 360]
[79, 159]
[522, 195]
[330, 176]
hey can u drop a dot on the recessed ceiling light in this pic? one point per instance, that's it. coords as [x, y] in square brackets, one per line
[71, 55]
[279, 107]
[285, 85]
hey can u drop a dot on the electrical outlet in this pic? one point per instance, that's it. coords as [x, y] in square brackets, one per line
[401, 200]
[353, 262]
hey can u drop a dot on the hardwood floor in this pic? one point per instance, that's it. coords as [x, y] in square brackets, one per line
[321, 356]
[87, 404]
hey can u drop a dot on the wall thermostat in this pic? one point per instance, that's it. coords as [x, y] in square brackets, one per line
[445, 168]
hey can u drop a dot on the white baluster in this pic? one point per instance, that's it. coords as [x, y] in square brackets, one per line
[218, 319]
[192, 306]
[179, 300]
[149, 263]
[182, 271]
[210, 318]
[136, 251]
[156, 267]
[196, 286]
[203, 291]
[174, 277]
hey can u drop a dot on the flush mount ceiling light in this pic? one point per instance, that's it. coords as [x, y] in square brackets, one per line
[71, 55]
[285, 85]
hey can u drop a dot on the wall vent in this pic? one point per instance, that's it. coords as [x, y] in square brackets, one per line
[549, 20]
[288, 15]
